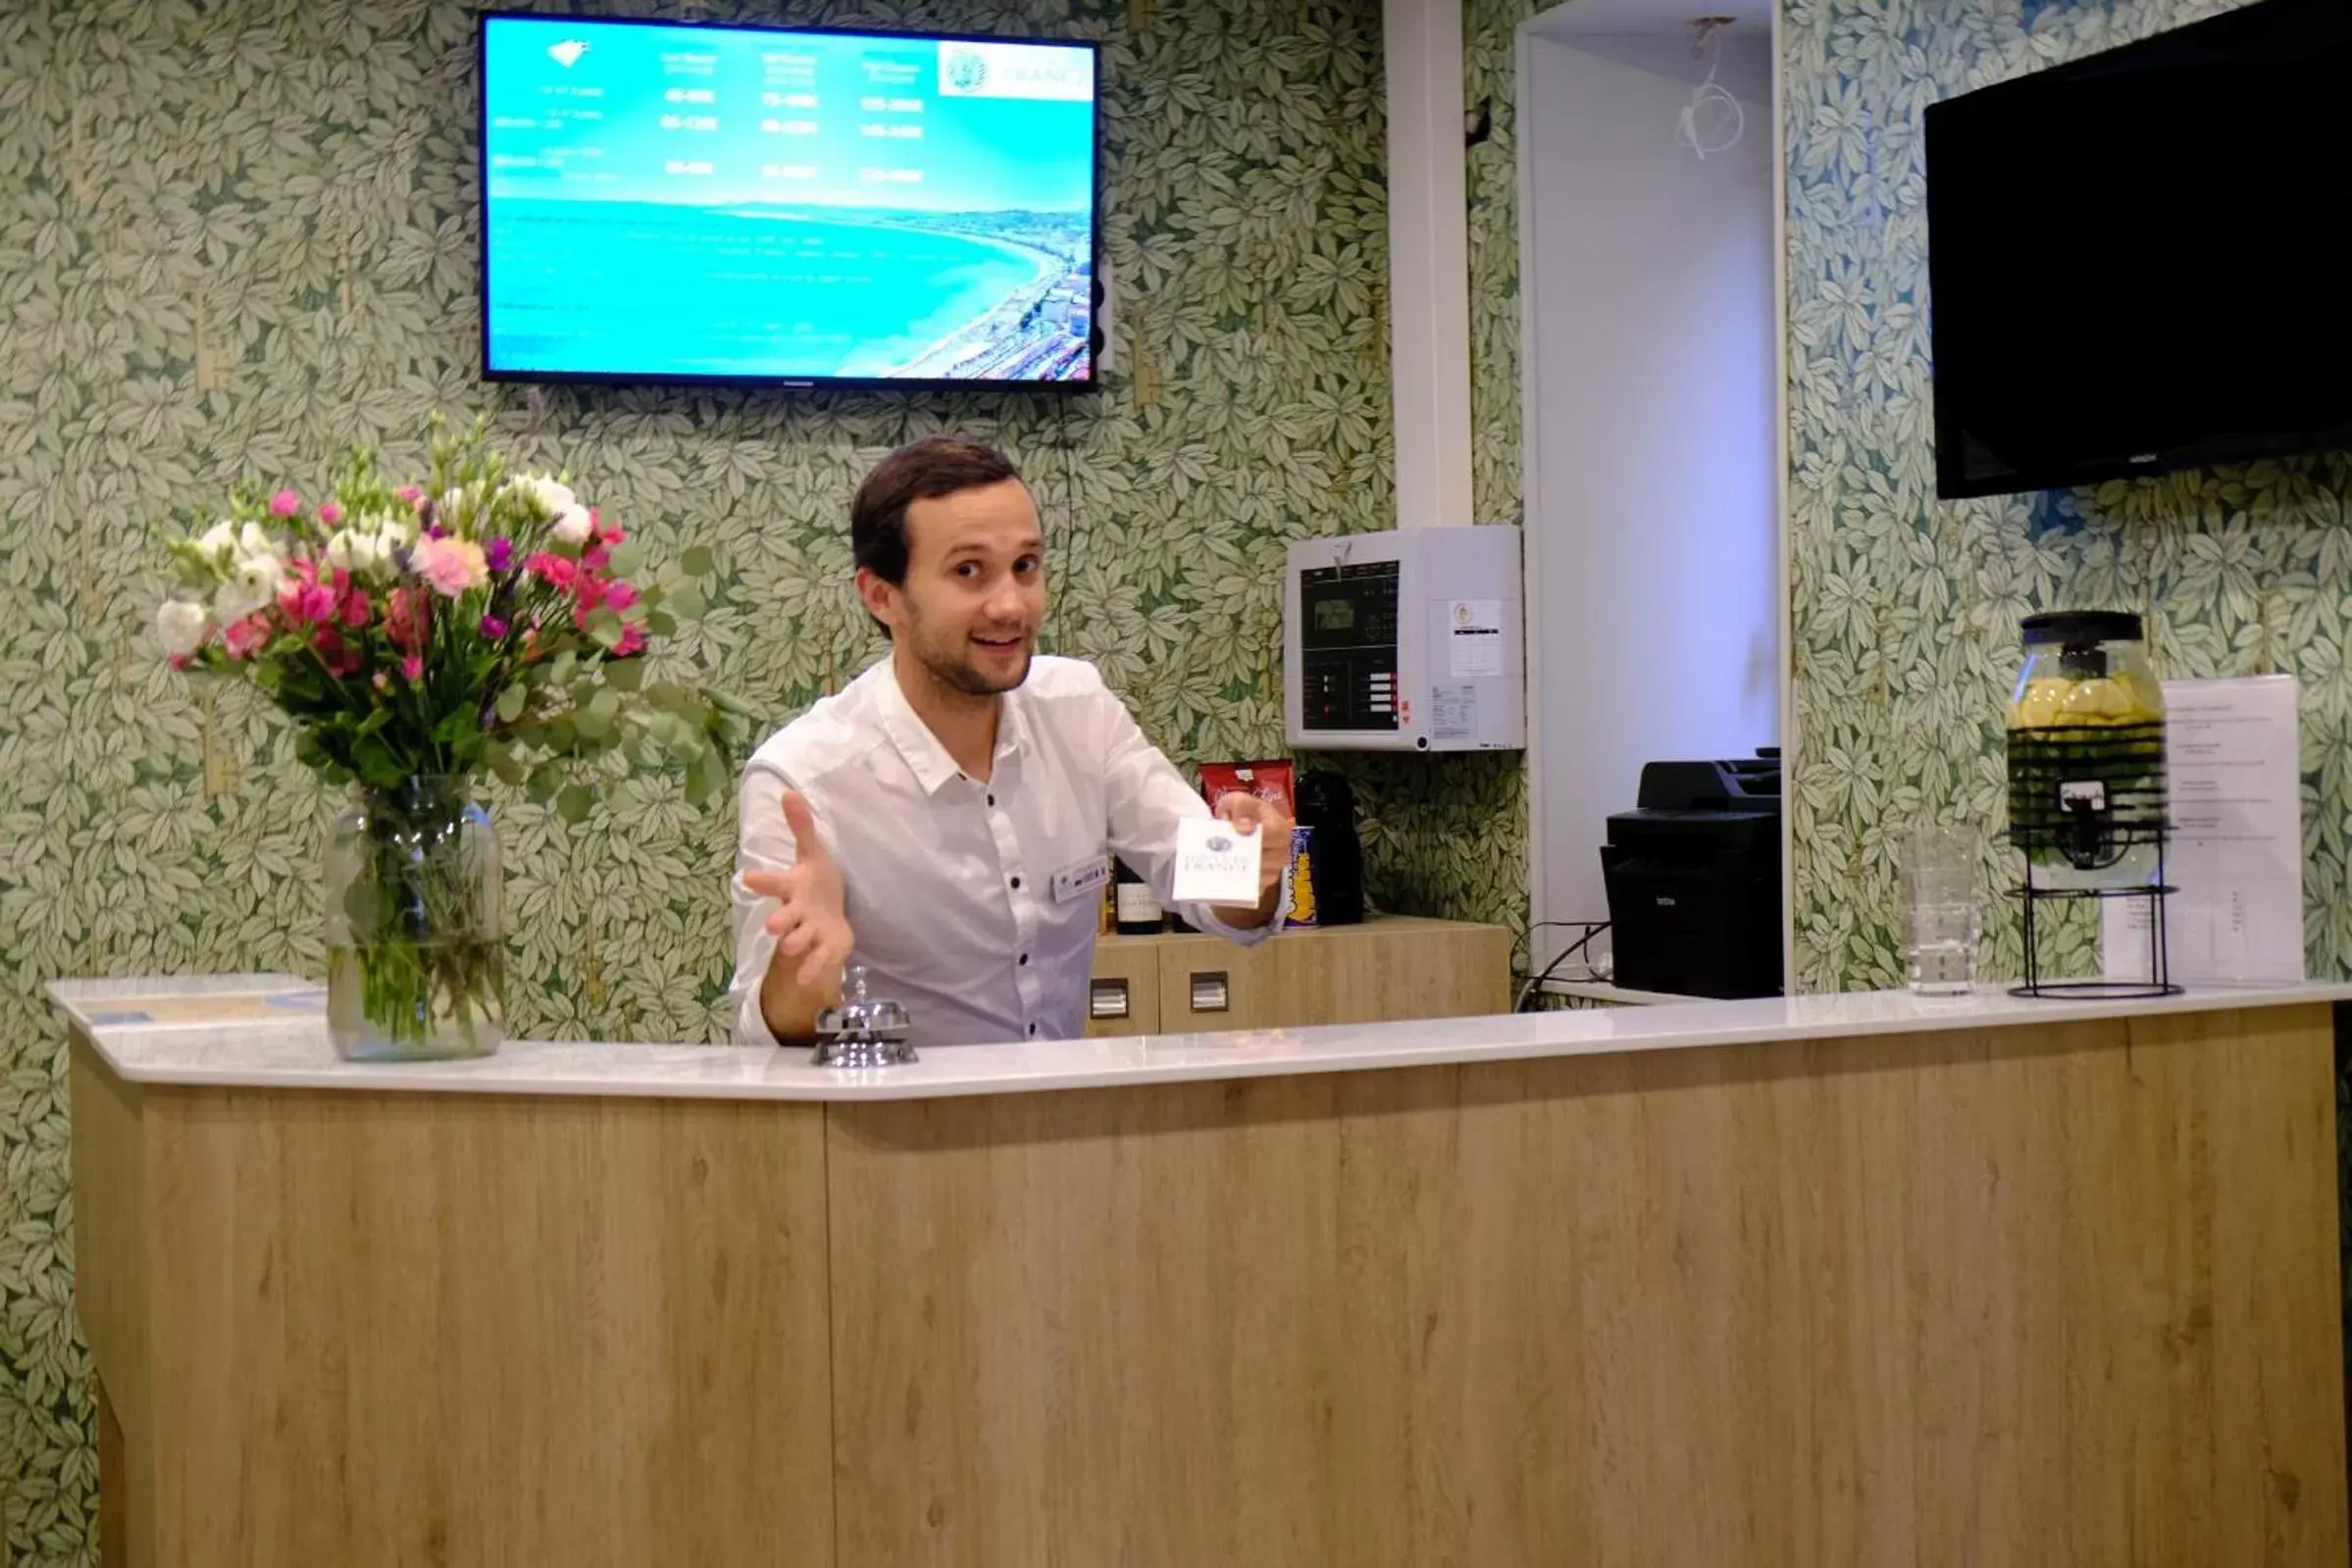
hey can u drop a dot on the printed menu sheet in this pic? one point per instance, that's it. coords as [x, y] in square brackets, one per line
[2236, 852]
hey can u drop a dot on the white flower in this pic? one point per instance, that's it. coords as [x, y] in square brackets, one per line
[253, 541]
[456, 504]
[182, 624]
[233, 603]
[358, 550]
[255, 579]
[572, 524]
[217, 540]
[552, 496]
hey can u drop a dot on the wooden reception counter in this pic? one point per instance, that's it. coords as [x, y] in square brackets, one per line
[1854, 1280]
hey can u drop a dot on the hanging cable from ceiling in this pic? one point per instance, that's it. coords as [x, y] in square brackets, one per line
[1712, 122]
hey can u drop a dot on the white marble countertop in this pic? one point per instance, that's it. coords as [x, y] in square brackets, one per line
[269, 1031]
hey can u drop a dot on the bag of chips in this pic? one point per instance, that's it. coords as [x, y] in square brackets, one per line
[1270, 781]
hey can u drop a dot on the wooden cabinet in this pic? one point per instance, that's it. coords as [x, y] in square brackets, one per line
[1389, 968]
[1125, 995]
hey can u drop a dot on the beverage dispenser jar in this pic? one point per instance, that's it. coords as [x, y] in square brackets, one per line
[2086, 754]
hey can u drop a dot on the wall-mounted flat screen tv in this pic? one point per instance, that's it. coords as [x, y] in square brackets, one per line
[682, 202]
[2131, 258]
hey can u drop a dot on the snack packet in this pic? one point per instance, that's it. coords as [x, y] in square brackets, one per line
[1270, 781]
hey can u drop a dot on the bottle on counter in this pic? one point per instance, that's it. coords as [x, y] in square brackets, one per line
[1138, 911]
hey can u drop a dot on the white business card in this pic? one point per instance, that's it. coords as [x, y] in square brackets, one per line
[1215, 863]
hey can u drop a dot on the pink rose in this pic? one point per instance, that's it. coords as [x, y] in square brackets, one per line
[357, 609]
[246, 637]
[620, 595]
[408, 619]
[632, 640]
[590, 593]
[286, 503]
[412, 495]
[554, 568]
[413, 667]
[329, 512]
[306, 600]
[595, 558]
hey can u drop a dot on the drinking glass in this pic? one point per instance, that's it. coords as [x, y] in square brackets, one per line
[1940, 916]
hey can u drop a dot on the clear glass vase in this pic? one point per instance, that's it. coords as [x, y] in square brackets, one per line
[416, 931]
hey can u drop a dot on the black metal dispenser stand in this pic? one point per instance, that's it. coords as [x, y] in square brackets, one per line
[2089, 795]
[2160, 967]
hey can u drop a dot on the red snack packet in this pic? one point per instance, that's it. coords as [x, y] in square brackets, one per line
[1268, 780]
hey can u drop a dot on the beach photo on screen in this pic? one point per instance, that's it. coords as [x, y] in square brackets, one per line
[682, 202]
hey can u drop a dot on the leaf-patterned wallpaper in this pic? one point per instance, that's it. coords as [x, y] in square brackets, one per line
[1906, 608]
[235, 234]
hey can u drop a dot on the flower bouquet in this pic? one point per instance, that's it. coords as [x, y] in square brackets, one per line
[419, 635]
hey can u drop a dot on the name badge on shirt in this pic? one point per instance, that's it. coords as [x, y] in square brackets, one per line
[1217, 863]
[1076, 881]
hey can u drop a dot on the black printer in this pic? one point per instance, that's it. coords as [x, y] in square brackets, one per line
[1694, 880]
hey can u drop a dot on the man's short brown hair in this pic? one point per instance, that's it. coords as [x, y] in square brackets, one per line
[920, 471]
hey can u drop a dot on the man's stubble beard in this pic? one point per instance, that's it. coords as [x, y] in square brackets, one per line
[961, 675]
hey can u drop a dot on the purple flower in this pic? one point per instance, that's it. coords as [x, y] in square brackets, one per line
[434, 532]
[494, 629]
[499, 554]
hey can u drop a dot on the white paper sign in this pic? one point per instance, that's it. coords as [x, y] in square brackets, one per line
[1215, 863]
[1454, 712]
[2236, 851]
[1474, 636]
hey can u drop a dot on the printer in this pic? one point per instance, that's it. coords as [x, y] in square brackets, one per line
[1694, 880]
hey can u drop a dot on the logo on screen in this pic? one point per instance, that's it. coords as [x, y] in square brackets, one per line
[967, 72]
[567, 53]
[1016, 71]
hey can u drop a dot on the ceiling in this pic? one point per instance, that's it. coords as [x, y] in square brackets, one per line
[1623, 17]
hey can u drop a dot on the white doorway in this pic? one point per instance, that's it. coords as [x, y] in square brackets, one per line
[1649, 292]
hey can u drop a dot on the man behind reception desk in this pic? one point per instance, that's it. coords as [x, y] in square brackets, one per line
[946, 820]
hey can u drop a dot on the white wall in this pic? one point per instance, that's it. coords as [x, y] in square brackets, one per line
[1648, 283]
[1429, 263]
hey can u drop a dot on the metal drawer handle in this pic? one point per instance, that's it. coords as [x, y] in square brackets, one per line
[1107, 999]
[1210, 991]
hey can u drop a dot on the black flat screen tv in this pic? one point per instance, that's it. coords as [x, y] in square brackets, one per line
[2132, 259]
[685, 202]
